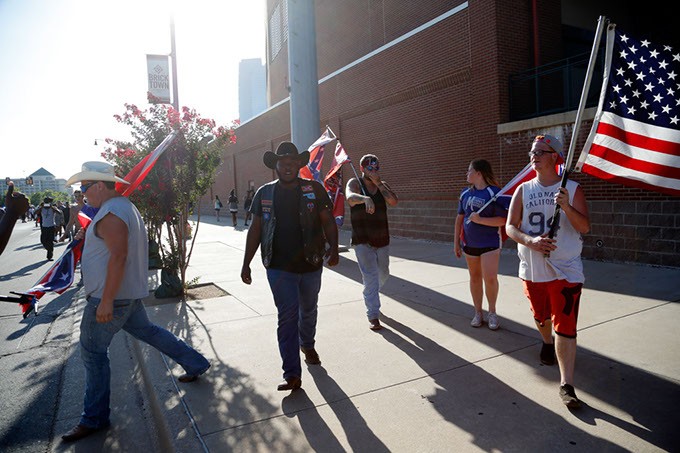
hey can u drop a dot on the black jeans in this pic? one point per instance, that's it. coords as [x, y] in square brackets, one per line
[47, 240]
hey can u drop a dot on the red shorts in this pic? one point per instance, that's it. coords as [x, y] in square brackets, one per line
[558, 301]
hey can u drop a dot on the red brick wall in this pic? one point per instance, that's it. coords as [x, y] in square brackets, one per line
[429, 105]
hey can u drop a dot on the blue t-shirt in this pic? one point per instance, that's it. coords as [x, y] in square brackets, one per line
[476, 235]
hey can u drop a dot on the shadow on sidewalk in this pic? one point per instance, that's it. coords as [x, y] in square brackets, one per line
[607, 380]
[478, 414]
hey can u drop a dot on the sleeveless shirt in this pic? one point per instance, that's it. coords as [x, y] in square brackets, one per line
[96, 255]
[564, 263]
[371, 229]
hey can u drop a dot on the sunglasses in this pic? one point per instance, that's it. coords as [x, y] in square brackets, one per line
[372, 166]
[539, 152]
[84, 187]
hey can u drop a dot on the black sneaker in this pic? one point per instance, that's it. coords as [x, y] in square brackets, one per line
[548, 354]
[568, 395]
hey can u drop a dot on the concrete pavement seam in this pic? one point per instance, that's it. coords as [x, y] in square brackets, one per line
[187, 411]
[149, 394]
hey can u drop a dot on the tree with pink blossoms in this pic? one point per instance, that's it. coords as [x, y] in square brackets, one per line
[181, 176]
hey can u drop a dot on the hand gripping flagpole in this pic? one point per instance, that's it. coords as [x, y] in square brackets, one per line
[577, 123]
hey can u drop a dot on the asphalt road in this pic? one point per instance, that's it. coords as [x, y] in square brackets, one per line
[33, 350]
[42, 385]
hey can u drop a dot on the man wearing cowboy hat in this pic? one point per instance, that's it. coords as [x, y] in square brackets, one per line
[115, 269]
[551, 268]
[292, 221]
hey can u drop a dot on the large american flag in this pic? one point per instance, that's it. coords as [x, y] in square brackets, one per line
[635, 138]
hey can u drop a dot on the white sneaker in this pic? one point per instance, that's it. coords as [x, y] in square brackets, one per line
[493, 321]
[477, 320]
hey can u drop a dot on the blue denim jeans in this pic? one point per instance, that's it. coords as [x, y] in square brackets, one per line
[95, 338]
[295, 297]
[374, 264]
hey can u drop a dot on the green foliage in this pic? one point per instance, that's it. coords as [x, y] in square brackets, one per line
[38, 197]
[183, 173]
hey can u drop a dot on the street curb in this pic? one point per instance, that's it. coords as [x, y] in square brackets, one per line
[156, 423]
[162, 429]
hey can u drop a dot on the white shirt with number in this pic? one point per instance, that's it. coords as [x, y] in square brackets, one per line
[564, 263]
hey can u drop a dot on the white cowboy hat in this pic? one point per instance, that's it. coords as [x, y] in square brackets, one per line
[96, 171]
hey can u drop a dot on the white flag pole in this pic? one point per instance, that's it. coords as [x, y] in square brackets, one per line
[577, 123]
[350, 164]
[518, 177]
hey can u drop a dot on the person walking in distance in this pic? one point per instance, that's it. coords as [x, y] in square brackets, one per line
[292, 222]
[368, 198]
[218, 206]
[551, 268]
[115, 269]
[233, 206]
[246, 204]
[481, 239]
[47, 212]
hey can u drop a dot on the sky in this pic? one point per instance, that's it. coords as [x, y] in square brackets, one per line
[67, 66]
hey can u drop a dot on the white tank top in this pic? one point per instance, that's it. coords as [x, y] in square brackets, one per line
[96, 255]
[564, 263]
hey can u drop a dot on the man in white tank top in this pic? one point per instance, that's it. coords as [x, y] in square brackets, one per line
[551, 269]
[115, 269]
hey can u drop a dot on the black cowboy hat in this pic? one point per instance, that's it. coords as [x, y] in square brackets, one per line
[285, 149]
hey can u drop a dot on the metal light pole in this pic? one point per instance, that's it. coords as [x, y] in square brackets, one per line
[303, 79]
[173, 57]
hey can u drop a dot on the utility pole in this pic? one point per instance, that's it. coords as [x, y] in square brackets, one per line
[302, 75]
[173, 56]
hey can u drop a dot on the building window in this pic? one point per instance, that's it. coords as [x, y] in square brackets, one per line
[278, 29]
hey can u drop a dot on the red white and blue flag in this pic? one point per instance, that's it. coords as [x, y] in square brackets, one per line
[61, 274]
[313, 169]
[333, 183]
[635, 138]
[504, 196]
[139, 172]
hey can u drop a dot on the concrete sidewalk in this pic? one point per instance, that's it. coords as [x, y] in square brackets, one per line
[427, 381]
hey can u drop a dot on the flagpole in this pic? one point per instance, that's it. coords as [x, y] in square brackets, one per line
[577, 122]
[350, 163]
[518, 177]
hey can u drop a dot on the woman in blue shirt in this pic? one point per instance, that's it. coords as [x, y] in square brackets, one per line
[481, 238]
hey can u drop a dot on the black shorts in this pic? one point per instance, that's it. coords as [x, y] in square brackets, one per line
[478, 251]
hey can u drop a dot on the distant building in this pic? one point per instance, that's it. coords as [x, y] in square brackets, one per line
[42, 180]
[252, 88]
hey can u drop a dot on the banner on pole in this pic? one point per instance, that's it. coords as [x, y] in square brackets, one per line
[158, 74]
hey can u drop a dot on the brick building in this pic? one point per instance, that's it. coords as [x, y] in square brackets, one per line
[428, 86]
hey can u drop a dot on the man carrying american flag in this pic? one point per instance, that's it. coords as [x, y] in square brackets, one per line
[551, 268]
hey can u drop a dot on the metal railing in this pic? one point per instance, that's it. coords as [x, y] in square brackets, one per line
[553, 88]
